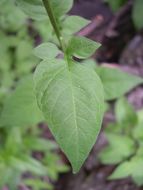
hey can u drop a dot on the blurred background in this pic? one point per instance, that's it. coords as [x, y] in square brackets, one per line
[30, 159]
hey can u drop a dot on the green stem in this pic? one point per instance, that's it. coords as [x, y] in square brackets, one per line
[54, 22]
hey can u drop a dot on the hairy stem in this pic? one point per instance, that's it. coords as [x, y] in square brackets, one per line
[53, 22]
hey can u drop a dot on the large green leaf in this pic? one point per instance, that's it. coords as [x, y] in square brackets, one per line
[137, 13]
[72, 102]
[20, 108]
[116, 82]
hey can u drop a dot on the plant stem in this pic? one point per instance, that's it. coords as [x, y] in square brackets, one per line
[54, 22]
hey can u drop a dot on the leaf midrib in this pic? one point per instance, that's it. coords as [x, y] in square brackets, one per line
[74, 113]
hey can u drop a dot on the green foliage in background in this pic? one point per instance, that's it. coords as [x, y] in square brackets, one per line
[138, 14]
[19, 113]
[116, 4]
[125, 143]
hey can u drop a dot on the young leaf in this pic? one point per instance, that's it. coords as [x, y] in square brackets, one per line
[46, 50]
[73, 24]
[116, 82]
[20, 108]
[73, 104]
[82, 47]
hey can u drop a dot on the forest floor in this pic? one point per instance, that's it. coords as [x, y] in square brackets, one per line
[123, 47]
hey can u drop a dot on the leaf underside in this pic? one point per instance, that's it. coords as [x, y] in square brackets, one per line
[72, 102]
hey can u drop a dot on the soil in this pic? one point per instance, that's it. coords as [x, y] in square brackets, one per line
[121, 45]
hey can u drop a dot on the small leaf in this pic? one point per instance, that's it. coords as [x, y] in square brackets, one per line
[125, 113]
[116, 82]
[114, 155]
[73, 24]
[131, 168]
[73, 104]
[20, 108]
[37, 184]
[122, 171]
[137, 13]
[82, 47]
[137, 167]
[46, 50]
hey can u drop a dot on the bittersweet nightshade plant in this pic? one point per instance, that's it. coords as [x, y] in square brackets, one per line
[70, 95]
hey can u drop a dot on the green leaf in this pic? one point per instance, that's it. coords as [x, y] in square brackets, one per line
[37, 184]
[46, 50]
[39, 144]
[82, 47]
[132, 168]
[20, 108]
[137, 168]
[122, 171]
[61, 7]
[35, 8]
[73, 104]
[125, 113]
[116, 82]
[27, 163]
[73, 24]
[137, 14]
[114, 155]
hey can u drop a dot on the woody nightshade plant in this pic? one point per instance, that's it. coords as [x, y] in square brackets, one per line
[70, 95]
